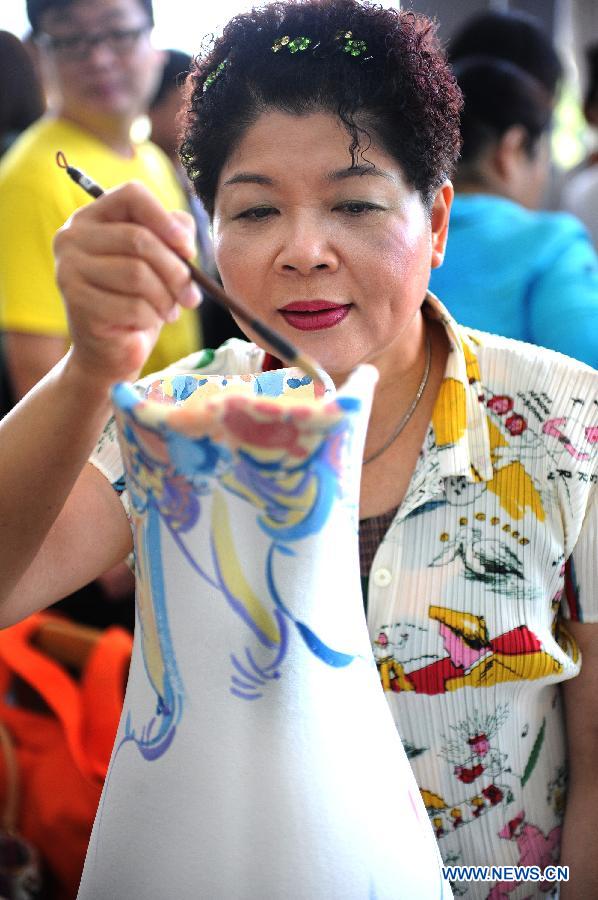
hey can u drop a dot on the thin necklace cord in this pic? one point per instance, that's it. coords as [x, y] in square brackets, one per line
[410, 411]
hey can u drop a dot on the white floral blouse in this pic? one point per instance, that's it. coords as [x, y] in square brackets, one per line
[492, 549]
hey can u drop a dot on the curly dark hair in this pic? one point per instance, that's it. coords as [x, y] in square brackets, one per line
[398, 90]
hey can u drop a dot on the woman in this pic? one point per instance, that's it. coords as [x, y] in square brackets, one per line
[544, 272]
[320, 137]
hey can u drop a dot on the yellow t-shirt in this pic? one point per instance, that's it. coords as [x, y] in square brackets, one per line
[37, 197]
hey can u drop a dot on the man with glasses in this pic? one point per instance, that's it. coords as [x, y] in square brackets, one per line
[100, 70]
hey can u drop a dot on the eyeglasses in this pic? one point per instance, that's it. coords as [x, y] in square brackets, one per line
[78, 46]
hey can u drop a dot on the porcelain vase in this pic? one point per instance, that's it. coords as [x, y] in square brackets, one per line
[256, 756]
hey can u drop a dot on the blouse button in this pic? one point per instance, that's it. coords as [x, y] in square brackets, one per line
[382, 577]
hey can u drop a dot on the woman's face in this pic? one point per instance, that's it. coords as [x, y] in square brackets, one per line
[335, 258]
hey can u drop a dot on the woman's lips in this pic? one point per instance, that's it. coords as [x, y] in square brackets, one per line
[313, 315]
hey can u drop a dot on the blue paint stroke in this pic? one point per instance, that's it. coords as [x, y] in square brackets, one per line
[318, 647]
[271, 670]
[271, 384]
[241, 684]
[244, 672]
[190, 559]
[183, 386]
[245, 696]
[169, 704]
[299, 382]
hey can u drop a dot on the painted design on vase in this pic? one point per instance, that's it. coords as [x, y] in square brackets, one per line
[282, 459]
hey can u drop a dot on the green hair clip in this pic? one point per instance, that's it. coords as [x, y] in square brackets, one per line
[211, 78]
[344, 41]
[350, 45]
[293, 46]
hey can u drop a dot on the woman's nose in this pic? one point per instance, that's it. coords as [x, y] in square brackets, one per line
[306, 246]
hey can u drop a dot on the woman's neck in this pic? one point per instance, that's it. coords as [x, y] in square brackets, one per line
[471, 180]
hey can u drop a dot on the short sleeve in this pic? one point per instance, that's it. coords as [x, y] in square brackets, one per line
[580, 600]
[107, 458]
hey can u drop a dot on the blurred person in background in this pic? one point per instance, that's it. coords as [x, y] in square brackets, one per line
[22, 99]
[510, 268]
[100, 70]
[217, 325]
[514, 36]
[22, 102]
[580, 191]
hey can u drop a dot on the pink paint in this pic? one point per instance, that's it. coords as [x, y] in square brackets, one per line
[460, 653]
[553, 428]
[479, 744]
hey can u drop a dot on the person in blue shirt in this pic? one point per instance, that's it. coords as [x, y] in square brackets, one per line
[510, 268]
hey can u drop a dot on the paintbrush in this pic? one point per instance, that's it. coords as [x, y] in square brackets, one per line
[279, 345]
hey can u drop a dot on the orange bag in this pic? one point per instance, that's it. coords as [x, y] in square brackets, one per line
[64, 738]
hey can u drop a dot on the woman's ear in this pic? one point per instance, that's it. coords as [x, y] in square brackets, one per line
[509, 151]
[439, 219]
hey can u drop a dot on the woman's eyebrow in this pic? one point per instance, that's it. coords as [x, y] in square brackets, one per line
[358, 172]
[248, 178]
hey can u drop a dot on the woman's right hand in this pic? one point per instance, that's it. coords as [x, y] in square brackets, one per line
[119, 271]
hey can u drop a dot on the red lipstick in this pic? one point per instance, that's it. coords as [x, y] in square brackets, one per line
[313, 315]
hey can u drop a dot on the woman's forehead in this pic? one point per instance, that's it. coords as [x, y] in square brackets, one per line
[315, 144]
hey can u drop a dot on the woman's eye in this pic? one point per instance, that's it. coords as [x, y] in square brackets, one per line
[257, 213]
[357, 207]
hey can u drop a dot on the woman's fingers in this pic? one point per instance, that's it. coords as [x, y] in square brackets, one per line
[186, 220]
[97, 231]
[119, 267]
[143, 265]
[133, 202]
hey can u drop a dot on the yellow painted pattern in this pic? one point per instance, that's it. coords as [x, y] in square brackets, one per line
[152, 654]
[232, 573]
[431, 800]
[496, 437]
[516, 492]
[471, 362]
[296, 507]
[500, 667]
[449, 416]
[567, 642]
